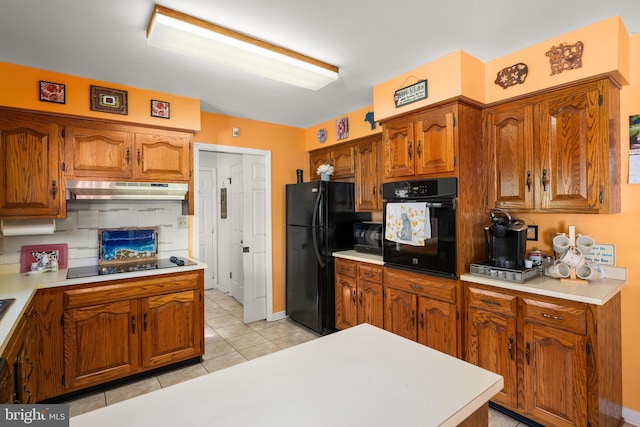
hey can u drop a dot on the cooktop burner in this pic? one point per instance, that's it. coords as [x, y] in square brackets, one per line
[99, 270]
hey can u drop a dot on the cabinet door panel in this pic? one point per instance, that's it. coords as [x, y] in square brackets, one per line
[343, 162]
[370, 303]
[162, 157]
[399, 150]
[367, 188]
[100, 343]
[97, 153]
[435, 142]
[511, 180]
[170, 328]
[346, 315]
[400, 313]
[437, 325]
[30, 184]
[555, 378]
[569, 137]
[491, 344]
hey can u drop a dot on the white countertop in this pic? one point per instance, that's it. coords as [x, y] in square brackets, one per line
[596, 292]
[359, 256]
[362, 376]
[23, 287]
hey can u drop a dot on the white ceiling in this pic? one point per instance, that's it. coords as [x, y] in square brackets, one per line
[370, 41]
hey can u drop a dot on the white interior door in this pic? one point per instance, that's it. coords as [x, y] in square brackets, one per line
[237, 215]
[254, 259]
[206, 225]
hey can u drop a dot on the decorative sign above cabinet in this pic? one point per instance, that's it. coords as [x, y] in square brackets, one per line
[409, 94]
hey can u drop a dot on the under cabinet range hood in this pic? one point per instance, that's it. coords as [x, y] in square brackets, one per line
[116, 190]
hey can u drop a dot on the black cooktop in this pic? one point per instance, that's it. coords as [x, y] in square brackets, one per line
[4, 305]
[99, 270]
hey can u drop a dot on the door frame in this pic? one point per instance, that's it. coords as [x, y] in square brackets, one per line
[199, 147]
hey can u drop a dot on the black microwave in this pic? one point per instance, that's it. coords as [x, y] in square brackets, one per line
[367, 237]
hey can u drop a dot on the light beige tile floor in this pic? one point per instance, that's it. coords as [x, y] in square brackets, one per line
[228, 341]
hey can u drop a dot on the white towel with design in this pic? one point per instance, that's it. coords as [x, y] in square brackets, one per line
[407, 223]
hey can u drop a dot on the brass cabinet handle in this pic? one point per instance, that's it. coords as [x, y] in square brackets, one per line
[489, 302]
[144, 321]
[422, 321]
[54, 189]
[409, 151]
[128, 156]
[418, 148]
[550, 316]
[133, 324]
[544, 180]
[526, 353]
[139, 156]
[419, 288]
[353, 296]
[413, 317]
[360, 298]
[528, 182]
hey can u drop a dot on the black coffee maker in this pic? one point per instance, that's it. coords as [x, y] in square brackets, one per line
[506, 240]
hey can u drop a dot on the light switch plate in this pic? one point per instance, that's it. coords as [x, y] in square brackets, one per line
[532, 232]
[183, 222]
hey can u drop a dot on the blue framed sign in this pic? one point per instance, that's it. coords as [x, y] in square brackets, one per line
[120, 245]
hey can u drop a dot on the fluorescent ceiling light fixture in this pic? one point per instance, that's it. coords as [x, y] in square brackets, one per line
[194, 37]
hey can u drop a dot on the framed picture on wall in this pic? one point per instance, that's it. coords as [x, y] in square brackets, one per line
[52, 92]
[160, 109]
[108, 100]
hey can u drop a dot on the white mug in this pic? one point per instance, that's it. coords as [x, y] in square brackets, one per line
[572, 257]
[584, 243]
[560, 243]
[559, 270]
[586, 272]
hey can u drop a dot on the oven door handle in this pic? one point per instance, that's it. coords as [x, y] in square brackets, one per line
[316, 226]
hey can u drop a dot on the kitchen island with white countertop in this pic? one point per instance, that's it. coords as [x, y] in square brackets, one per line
[363, 376]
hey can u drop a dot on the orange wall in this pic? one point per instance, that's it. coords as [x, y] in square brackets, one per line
[358, 128]
[288, 153]
[606, 50]
[22, 91]
[452, 75]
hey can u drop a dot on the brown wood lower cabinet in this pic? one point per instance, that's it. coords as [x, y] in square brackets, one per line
[561, 360]
[95, 333]
[422, 308]
[358, 288]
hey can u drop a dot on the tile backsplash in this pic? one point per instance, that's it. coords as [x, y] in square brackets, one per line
[79, 230]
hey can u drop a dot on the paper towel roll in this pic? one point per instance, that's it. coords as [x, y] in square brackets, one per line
[28, 228]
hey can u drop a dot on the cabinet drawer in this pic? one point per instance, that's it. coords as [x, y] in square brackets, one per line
[491, 301]
[558, 314]
[121, 290]
[370, 272]
[423, 285]
[345, 267]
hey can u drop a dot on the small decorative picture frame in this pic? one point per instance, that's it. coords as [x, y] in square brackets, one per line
[342, 128]
[160, 109]
[52, 92]
[108, 100]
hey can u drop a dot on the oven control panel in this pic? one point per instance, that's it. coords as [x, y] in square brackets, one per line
[419, 188]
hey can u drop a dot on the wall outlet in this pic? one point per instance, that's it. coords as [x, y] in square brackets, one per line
[532, 232]
[183, 222]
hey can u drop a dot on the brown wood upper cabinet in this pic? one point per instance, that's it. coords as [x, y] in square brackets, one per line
[420, 144]
[30, 153]
[118, 152]
[340, 157]
[556, 152]
[368, 188]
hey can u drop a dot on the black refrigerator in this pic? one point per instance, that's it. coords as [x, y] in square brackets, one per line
[320, 218]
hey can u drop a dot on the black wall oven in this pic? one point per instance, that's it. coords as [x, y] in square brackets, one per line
[431, 246]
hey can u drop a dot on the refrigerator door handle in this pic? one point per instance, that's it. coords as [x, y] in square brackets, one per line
[315, 223]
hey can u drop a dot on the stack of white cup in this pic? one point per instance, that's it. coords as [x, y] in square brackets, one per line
[569, 257]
